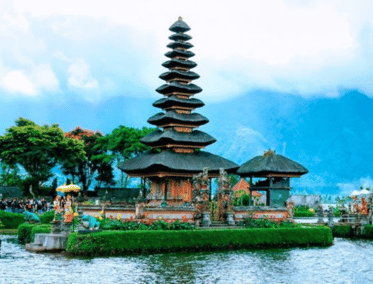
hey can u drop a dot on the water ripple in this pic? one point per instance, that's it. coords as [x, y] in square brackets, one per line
[347, 261]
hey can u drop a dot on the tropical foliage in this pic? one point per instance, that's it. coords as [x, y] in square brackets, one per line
[94, 164]
[30, 154]
[37, 149]
[150, 224]
[123, 143]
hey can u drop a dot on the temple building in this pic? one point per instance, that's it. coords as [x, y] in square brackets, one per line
[276, 170]
[176, 153]
[242, 186]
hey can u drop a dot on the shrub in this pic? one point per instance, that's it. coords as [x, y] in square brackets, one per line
[343, 231]
[303, 211]
[24, 233]
[265, 223]
[159, 224]
[47, 217]
[11, 220]
[178, 225]
[245, 200]
[27, 231]
[40, 229]
[368, 231]
[119, 242]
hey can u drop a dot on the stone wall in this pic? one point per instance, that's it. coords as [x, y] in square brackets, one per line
[307, 200]
[264, 212]
[171, 213]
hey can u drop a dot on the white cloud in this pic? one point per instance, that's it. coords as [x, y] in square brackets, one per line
[44, 78]
[17, 82]
[80, 76]
[29, 81]
[299, 47]
[17, 21]
[348, 187]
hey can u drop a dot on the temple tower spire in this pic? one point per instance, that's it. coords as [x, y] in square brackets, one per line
[175, 156]
[178, 122]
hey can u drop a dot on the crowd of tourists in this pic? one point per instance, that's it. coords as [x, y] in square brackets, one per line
[17, 205]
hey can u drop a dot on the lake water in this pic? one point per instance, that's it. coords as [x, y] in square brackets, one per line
[347, 261]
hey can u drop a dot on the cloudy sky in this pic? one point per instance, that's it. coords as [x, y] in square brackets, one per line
[92, 63]
[92, 51]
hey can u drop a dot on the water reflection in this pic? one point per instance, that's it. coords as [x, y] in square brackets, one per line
[347, 261]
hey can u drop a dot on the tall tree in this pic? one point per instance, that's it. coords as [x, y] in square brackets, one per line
[124, 143]
[10, 175]
[38, 149]
[93, 165]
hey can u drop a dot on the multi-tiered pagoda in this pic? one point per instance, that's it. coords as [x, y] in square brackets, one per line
[176, 144]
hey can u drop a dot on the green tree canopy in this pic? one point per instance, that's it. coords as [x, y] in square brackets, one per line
[38, 149]
[94, 165]
[10, 175]
[124, 143]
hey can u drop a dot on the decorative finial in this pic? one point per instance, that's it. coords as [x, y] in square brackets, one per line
[269, 153]
[180, 19]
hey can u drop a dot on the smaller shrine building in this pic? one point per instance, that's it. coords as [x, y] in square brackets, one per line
[276, 170]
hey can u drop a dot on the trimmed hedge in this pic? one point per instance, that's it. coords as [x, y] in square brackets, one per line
[27, 231]
[368, 231]
[128, 242]
[24, 233]
[264, 223]
[11, 220]
[47, 217]
[303, 213]
[342, 231]
[40, 229]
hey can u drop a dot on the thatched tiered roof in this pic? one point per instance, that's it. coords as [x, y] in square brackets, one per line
[177, 142]
[271, 164]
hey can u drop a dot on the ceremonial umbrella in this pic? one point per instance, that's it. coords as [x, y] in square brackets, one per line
[68, 188]
[364, 192]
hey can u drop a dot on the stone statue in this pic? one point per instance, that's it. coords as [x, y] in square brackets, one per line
[90, 222]
[290, 208]
[364, 206]
[320, 213]
[31, 217]
[225, 194]
[205, 177]
[140, 210]
[354, 207]
[370, 208]
[57, 208]
[224, 180]
[69, 212]
[200, 197]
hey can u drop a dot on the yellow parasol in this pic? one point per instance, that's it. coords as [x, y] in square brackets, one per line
[68, 188]
[73, 188]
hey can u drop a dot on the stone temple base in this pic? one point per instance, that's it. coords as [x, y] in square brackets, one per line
[48, 243]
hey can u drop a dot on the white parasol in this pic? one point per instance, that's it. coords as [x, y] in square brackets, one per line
[364, 192]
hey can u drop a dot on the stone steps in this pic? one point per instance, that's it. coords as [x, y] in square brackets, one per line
[48, 242]
[220, 225]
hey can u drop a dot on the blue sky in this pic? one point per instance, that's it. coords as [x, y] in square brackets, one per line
[96, 64]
